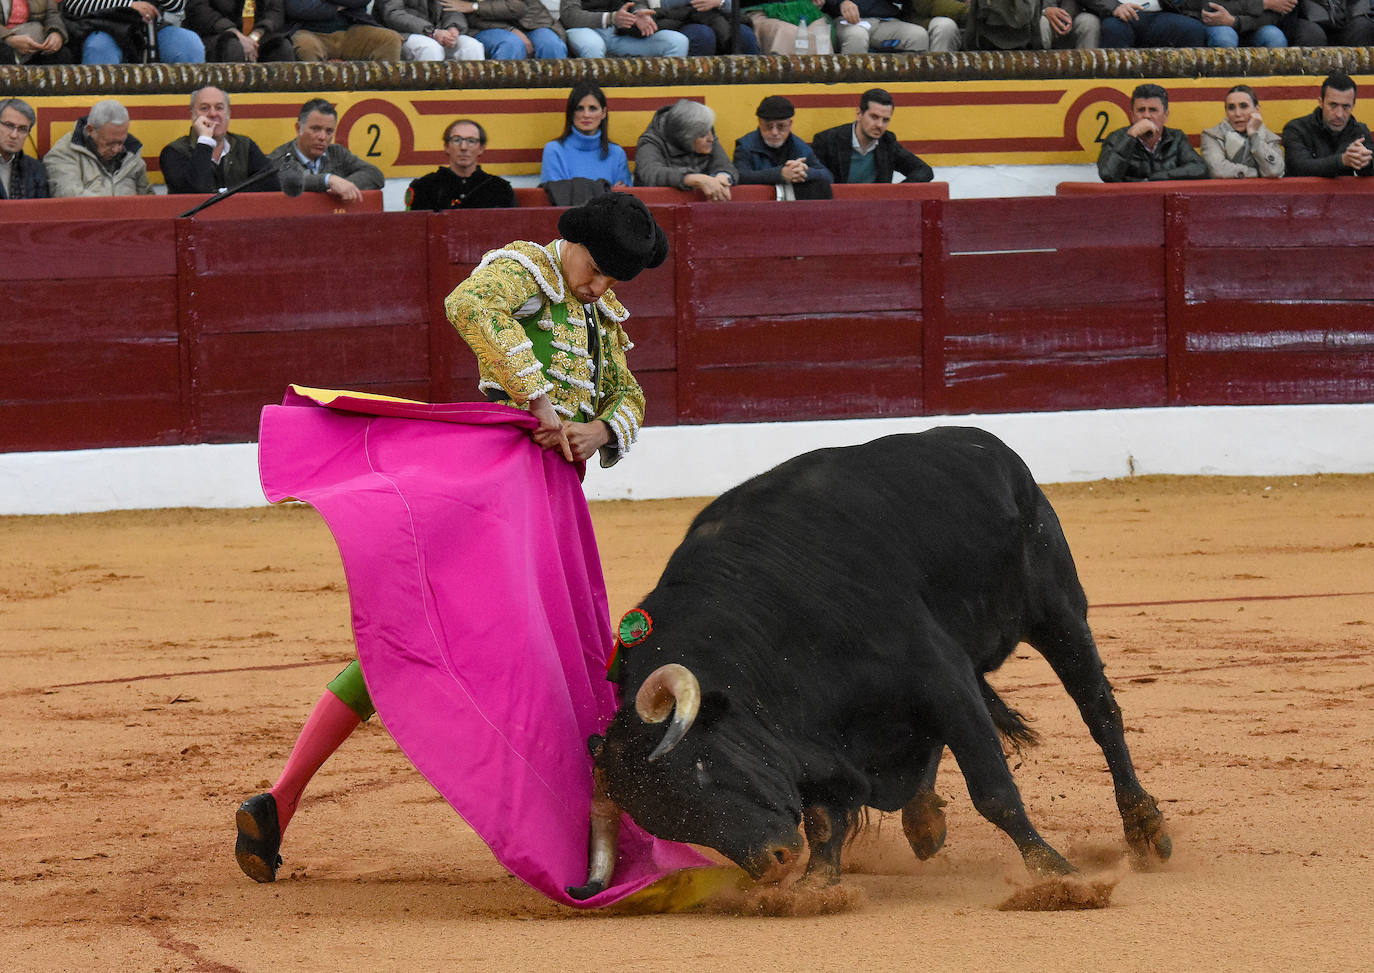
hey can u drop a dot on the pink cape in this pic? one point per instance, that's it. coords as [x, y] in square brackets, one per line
[479, 612]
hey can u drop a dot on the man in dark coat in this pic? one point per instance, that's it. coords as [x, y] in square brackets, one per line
[321, 164]
[866, 151]
[772, 156]
[230, 37]
[21, 177]
[461, 184]
[212, 158]
[1329, 141]
[1147, 150]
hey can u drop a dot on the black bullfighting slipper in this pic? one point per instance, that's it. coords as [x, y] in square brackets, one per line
[259, 838]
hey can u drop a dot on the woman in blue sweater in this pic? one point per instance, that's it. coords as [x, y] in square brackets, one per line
[585, 148]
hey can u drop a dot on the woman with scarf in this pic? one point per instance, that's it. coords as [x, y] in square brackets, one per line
[680, 149]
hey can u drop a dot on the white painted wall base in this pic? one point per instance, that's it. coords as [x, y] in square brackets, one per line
[693, 461]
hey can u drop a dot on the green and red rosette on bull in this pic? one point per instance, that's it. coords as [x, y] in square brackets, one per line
[635, 626]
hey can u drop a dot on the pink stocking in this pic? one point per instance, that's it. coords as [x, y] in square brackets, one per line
[329, 724]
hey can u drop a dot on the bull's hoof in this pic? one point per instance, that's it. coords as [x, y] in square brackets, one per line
[581, 892]
[1145, 832]
[923, 823]
[1045, 861]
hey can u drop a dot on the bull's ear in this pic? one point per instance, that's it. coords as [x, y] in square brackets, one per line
[594, 744]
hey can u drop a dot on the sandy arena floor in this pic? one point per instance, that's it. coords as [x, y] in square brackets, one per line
[160, 665]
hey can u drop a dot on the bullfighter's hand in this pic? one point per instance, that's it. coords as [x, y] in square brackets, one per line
[550, 433]
[586, 438]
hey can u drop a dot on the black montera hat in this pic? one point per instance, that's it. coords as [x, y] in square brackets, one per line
[774, 108]
[619, 232]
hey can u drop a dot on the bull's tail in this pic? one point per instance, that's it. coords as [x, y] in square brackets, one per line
[1011, 724]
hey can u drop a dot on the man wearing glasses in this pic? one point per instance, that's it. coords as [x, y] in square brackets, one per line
[461, 184]
[21, 177]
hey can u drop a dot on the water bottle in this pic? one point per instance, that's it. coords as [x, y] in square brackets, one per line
[823, 41]
[803, 44]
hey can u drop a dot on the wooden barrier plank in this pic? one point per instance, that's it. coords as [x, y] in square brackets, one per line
[802, 366]
[842, 232]
[1279, 221]
[98, 420]
[1275, 377]
[1316, 275]
[1100, 382]
[1046, 222]
[1011, 335]
[1095, 277]
[163, 207]
[96, 248]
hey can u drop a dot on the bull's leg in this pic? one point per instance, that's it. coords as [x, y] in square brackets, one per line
[1072, 653]
[826, 826]
[976, 745]
[923, 821]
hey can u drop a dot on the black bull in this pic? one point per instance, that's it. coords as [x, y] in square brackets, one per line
[820, 636]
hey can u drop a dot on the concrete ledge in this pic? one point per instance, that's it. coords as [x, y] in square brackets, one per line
[686, 461]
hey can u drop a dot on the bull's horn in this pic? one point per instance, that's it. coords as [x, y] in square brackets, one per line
[601, 851]
[669, 689]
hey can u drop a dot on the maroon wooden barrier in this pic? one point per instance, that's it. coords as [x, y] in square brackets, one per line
[1273, 300]
[148, 331]
[89, 345]
[783, 319]
[1284, 187]
[158, 206]
[1045, 303]
[892, 190]
[314, 300]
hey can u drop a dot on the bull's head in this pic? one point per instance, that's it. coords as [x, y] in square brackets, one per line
[715, 777]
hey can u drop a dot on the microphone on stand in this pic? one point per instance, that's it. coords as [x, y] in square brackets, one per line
[291, 182]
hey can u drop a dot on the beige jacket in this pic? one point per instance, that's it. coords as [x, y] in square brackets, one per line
[1231, 155]
[45, 18]
[75, 170]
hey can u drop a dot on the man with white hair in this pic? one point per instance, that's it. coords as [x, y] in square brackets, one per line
[21, 177]
[431, 30]
[99, 157]
[212, 158]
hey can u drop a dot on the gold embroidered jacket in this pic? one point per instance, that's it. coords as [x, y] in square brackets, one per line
[530, 338]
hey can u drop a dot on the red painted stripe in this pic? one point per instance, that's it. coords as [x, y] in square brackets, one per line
[1208, 601]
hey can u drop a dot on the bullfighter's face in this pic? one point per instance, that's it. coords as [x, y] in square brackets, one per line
[723, 786]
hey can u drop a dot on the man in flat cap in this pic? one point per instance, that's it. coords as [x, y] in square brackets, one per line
[772, 155]
[546, 329]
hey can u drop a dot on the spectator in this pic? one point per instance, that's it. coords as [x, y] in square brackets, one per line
[1318, 23]
[232, 37]
[1028, 25]
[132, 31]
[34, 34]
[777, 23]
[874, 25]
[325, 166]
[21, 177]
[212, 158]
[1147, 150]
[599, 27]
[511, 30]
[1238, 23]
[98, 157]
[1146, 23]
[343, 30]
[462, 184]
[431, 31]
[706, 25]
[1241, 147]
[585, 148]
[866, 151]
[772, 156]
[680, 149]
[1329, 142]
